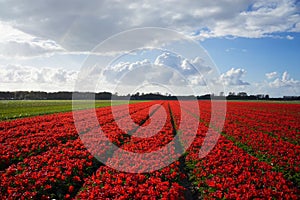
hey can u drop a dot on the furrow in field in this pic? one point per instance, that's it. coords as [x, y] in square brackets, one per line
[264, 147]
[59, 172]
[15, 149]
[191, 191]
[282, 155]
[160, 184]
[228, 171]
[32, 125]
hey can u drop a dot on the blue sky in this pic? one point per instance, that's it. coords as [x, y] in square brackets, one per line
[258, 55]
[254, 44]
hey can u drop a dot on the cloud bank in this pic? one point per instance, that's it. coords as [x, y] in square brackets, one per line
[80, 25]
[14, 77]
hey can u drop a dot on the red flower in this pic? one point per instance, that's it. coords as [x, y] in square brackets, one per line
[71, 188]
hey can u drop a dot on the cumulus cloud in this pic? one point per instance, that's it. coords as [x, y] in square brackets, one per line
[78, 25]
[167, 69]
[285, 81]
[169, 59]
[233, 77]
[141, 72]
[271, 75]
[185, 66]
[31, 75]
[129, 73]
[277, 86]
[289, 37]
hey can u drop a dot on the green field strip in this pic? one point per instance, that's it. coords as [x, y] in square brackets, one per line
[15, 109]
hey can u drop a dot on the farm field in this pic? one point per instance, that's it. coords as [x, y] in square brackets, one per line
[13, 109]
[256, 156]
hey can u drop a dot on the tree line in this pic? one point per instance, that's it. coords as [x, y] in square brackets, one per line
[39, 95]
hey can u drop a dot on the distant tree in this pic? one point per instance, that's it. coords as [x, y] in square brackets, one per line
[242, 94]
[260, 96]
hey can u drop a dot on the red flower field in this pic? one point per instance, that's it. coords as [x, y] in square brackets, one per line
[256, 156]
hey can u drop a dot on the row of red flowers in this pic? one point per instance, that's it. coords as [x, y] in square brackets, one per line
[229, 172]
[47, 159]
[54, 173]
[160, 184]
[31, 139]
[282, 155]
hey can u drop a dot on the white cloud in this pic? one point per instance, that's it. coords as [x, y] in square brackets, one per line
[20, 77]
[28, 48]
[233, 77]
[187, 67]
[129, 73]
[277, 86]
[235, 50]
[141, 72]
[197, 80]
[168, 59]
[167, 69]
[285, 81]
[78, 25]
[15, 43]
[289, 37]
[271, 75]
[199, 63]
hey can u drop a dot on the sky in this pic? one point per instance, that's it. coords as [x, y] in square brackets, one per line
[243, 45]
